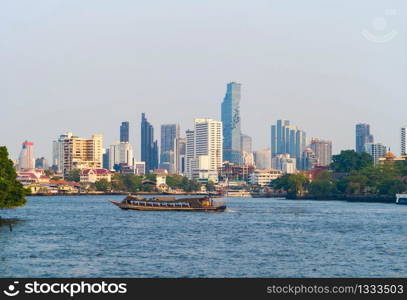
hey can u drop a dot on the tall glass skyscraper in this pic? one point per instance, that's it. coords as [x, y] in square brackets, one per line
[287, 139]
[149, 148]
[231, 124]
[169, 132]
[124, 132]
[363, 136]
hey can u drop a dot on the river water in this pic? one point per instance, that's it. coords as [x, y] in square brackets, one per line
[86, 236]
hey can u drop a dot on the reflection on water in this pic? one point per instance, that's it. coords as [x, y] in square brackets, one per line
[88, 236]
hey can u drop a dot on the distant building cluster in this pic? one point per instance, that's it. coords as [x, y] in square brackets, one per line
[210, 151]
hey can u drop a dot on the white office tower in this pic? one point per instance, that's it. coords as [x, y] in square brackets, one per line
[205, 140]
[120, 153]
[404, 140]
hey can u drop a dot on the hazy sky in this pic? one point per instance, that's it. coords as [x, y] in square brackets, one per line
[85, 66]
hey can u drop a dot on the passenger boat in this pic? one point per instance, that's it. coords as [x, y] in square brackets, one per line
[171, 204]
[401, 198]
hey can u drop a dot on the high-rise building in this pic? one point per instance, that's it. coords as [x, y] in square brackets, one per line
[120, 153]
[189, 152]
[262, 159]
[246, 143]
[41, 163]
[80, 153]
[363, 136]
[204, 149]
[231, 124]
[26, 160]
[285, 163]
[322, 150]
[124, 132]
[169, 132]
[287, 139]
[376, 150]
[180, 151]
[105, 159]
[404, 140]
[149, 147]
[58, 152]
[309, 160]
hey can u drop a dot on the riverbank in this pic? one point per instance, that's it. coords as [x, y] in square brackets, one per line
[347, 198]
[114, 193]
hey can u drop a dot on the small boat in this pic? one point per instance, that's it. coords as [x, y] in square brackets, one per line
[401, 198]
[171, 204]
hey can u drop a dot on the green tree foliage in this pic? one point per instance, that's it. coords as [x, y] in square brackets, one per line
[349, 160]
[323, 185]
[103, 185]
[12, 193]
[293, 184]
[74, 175]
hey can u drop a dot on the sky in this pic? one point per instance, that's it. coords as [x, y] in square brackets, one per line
[86, 66]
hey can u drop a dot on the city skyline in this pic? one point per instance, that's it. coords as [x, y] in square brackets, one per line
[108, 70]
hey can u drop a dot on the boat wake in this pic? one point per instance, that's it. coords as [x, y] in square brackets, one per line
[231, 210]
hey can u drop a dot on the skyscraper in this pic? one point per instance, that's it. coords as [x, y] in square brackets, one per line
[376, 150]
[120, 153]
[179, 157]
[204, 150]
[246, 143]
[124, 132]
[80, 153]
[149, 148]
[287, 139]
[58, 152]
[404, 140]
[169, 132]
[322, 150]
[231, 124]
[26, 160]
[363, 136]
[262, 159]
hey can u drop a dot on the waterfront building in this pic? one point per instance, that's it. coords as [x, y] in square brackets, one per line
[230, 111]
[169, 133]
[233, 172]
[93, 175]
[120, 153]
[206, 141]
[287, 139]
[81, 153]
[376, 150]
[179, 157]
[309, 160]
[363, 136]
[264, 177]
[322, 150]
[149, 147]
[138, 168]
[403, 140]
[26, 159]
[262, 159]
[124, 132]
[285, 163]
[58, 152]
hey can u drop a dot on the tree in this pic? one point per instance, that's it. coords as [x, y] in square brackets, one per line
[74, 175]
[210, 186]
[323, 185]
[349, 160]
[103, 185]
[12, 192]
[293, 184]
